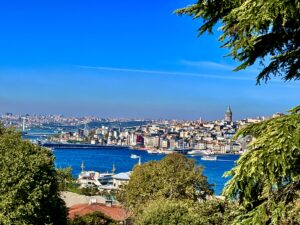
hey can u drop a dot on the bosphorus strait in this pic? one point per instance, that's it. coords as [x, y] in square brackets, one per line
[102, 160]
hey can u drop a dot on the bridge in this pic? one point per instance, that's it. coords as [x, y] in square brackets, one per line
[81, 146]
[37, 134]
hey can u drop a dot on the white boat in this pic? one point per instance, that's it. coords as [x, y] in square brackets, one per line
[207, 152]
[133, 156]
[209, 158]
[166, 152]
[152, 152]
[196, 152]
[200, 152]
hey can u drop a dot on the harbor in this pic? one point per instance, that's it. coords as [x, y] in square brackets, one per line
[121, 158]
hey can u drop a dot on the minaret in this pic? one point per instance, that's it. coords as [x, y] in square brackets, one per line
[82, 167]
[228, 115]
[113, 170]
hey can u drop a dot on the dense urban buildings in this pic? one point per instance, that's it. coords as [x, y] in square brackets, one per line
[155, 136]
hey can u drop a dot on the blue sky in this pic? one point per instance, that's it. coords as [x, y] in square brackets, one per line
[123, 59]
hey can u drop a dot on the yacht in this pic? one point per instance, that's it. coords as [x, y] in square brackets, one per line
[196, 152]
[152, 151]
[94, 178]
[200, 152]
[209, 158]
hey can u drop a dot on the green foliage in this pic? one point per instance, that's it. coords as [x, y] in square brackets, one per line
[95, 218]
[89, 191]
[293, 215]
[266, 180]
[28, 188]
[64, 177]
[175, 177]
[255, 30]
[168, 212]
[74, 187]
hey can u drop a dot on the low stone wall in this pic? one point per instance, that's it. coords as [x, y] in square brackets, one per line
[71, 199]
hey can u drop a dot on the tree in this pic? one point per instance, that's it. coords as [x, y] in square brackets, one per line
[165, 212]
[95, 218]
[266, 180]
[28, 187]
[267, 31]
[175, 177]
[64, 177]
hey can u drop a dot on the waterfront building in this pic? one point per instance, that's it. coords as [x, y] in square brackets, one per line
[121, 179]
[103, 181]
[80, 133]
[164, 144]
[172, 143]
[152, 141]
[139, 140]
[201, 145]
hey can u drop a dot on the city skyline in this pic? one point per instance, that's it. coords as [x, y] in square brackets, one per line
[115, 59]
[228, 116]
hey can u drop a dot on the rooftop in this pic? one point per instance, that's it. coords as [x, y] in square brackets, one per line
[122, 176]
[114, 212]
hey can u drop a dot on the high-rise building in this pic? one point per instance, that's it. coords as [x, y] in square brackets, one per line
[228, 115]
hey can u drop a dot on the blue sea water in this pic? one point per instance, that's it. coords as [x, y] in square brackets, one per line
[103, 159]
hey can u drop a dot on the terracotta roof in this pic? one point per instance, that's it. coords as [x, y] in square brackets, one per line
[114, 212]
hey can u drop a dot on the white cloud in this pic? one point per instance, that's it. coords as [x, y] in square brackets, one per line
[214, 66]
[207, 64]
[167, 73]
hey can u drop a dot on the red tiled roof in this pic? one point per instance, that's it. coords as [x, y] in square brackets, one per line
[115, 213]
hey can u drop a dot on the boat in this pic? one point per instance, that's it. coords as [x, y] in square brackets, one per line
[152, 152]
[209, 158]
[166, 152]
[207, 152]
[133, 156]
[200, 152]
[88, 178]
[196, 152]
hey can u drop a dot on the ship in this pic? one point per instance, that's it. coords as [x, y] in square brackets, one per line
[200, 152]
[209, 158]
[133, 156]
[153, 151]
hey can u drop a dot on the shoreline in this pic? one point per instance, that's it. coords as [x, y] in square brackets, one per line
[62, 146]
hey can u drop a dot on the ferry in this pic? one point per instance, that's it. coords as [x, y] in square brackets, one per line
[87, 178]
[103, 181]
[133, 156]
[153, 151]
[209, 158]
[200, 152]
